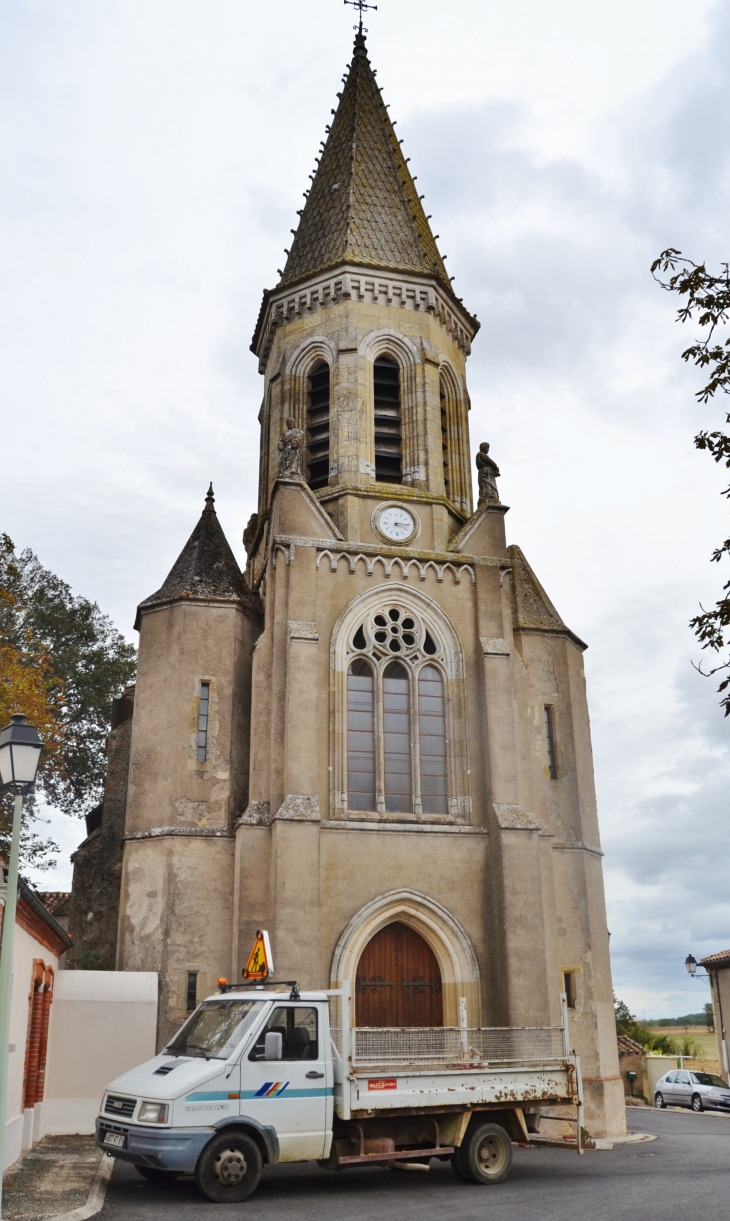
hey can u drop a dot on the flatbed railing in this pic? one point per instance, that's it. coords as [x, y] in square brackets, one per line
[473, 1047]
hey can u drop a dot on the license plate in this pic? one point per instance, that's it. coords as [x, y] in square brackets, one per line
[116, 1139]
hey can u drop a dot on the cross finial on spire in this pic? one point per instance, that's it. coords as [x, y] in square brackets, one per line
[361, 5]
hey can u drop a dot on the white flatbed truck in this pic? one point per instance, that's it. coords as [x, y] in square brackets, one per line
[258, 1076]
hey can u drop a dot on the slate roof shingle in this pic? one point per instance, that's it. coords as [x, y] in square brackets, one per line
[205, 568]
[363, 206]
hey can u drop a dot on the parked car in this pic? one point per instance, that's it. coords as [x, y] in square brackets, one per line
[700, 1091]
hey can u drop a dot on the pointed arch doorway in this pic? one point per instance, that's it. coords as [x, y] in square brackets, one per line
[398, 981]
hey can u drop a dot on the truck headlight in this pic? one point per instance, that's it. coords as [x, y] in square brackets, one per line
[153, 1112]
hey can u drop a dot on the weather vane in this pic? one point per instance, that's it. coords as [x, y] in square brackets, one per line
[360, 4]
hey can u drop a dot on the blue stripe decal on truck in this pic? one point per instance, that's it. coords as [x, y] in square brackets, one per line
[283, 1092]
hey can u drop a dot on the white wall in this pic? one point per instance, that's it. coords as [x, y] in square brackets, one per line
[102, 1024]
[25, 949]
[656, 1067]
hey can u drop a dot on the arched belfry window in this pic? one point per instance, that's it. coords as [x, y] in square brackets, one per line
[445, 437]
[387, 421]
[318, 426]
[396, 716]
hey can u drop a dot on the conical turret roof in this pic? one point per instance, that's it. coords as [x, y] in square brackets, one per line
[205, 568]
[363, 206]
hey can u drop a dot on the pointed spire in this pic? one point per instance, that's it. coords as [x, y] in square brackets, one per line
[206, 567]
[363, 206]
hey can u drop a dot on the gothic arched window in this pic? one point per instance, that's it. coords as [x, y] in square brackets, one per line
[396, 717]
[387, 421]
[318, 426]
[445, 437]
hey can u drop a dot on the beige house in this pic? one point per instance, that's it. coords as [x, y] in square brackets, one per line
[375, 743]
[718, 969]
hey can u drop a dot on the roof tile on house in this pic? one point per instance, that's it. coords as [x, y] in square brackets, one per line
[628, 1047]
[721, 956]
[53, 899]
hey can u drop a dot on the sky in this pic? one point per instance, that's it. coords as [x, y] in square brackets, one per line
[154, 158]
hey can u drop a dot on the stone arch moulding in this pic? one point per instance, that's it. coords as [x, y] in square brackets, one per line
[389, 342]
[451, 944]
[319, 347]
[417, 600]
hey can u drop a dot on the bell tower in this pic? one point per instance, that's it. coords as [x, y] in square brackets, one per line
[363, 343]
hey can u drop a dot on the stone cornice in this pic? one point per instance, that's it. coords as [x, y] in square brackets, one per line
[180, 833]
[351, 283]
[388, 491]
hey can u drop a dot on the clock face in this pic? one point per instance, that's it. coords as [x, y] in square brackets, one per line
[396, 524]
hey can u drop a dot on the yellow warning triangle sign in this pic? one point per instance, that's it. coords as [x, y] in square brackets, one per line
[260, 963]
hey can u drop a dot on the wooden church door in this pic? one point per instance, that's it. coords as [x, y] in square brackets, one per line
[398, 981]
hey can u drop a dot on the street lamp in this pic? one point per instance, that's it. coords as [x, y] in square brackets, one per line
[690, 963]
[20, 752]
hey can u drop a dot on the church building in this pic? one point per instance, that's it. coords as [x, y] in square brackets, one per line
[375, 742]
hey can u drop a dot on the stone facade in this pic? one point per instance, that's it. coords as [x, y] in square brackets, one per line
[93, 910]
[239, 814]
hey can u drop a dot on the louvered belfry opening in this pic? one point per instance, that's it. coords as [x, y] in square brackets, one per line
[386, 405]
[318, 427]
[398, 981]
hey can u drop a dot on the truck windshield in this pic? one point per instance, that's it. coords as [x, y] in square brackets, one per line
[215, 1029]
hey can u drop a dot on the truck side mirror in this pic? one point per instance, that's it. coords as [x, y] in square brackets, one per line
[273, 1046]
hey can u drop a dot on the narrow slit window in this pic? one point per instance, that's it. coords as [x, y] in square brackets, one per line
[203, 722]
[387, 421]
[191, 999]
[569, 988]
[550, 744]
[360, 737]
[318, 427]
[445, 441]
[397, 739]
[432, 740]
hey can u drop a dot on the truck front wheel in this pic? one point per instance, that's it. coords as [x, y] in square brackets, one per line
[485, 1156]
[229, 1168]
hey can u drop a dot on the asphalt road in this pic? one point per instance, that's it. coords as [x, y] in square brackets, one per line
[682, 1175]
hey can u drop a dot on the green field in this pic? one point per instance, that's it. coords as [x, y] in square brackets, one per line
[697, 1034]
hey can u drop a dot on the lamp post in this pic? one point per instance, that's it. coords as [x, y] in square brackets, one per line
[20, 752]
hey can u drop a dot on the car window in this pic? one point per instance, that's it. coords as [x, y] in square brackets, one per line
[682, 1078]
[298, 1030]
[670, 1078]
[709, 1079]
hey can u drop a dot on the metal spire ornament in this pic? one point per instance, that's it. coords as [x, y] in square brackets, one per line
[360, 4]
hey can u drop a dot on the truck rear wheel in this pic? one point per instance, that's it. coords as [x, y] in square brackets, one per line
[485, 1156]
[229, 1168]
